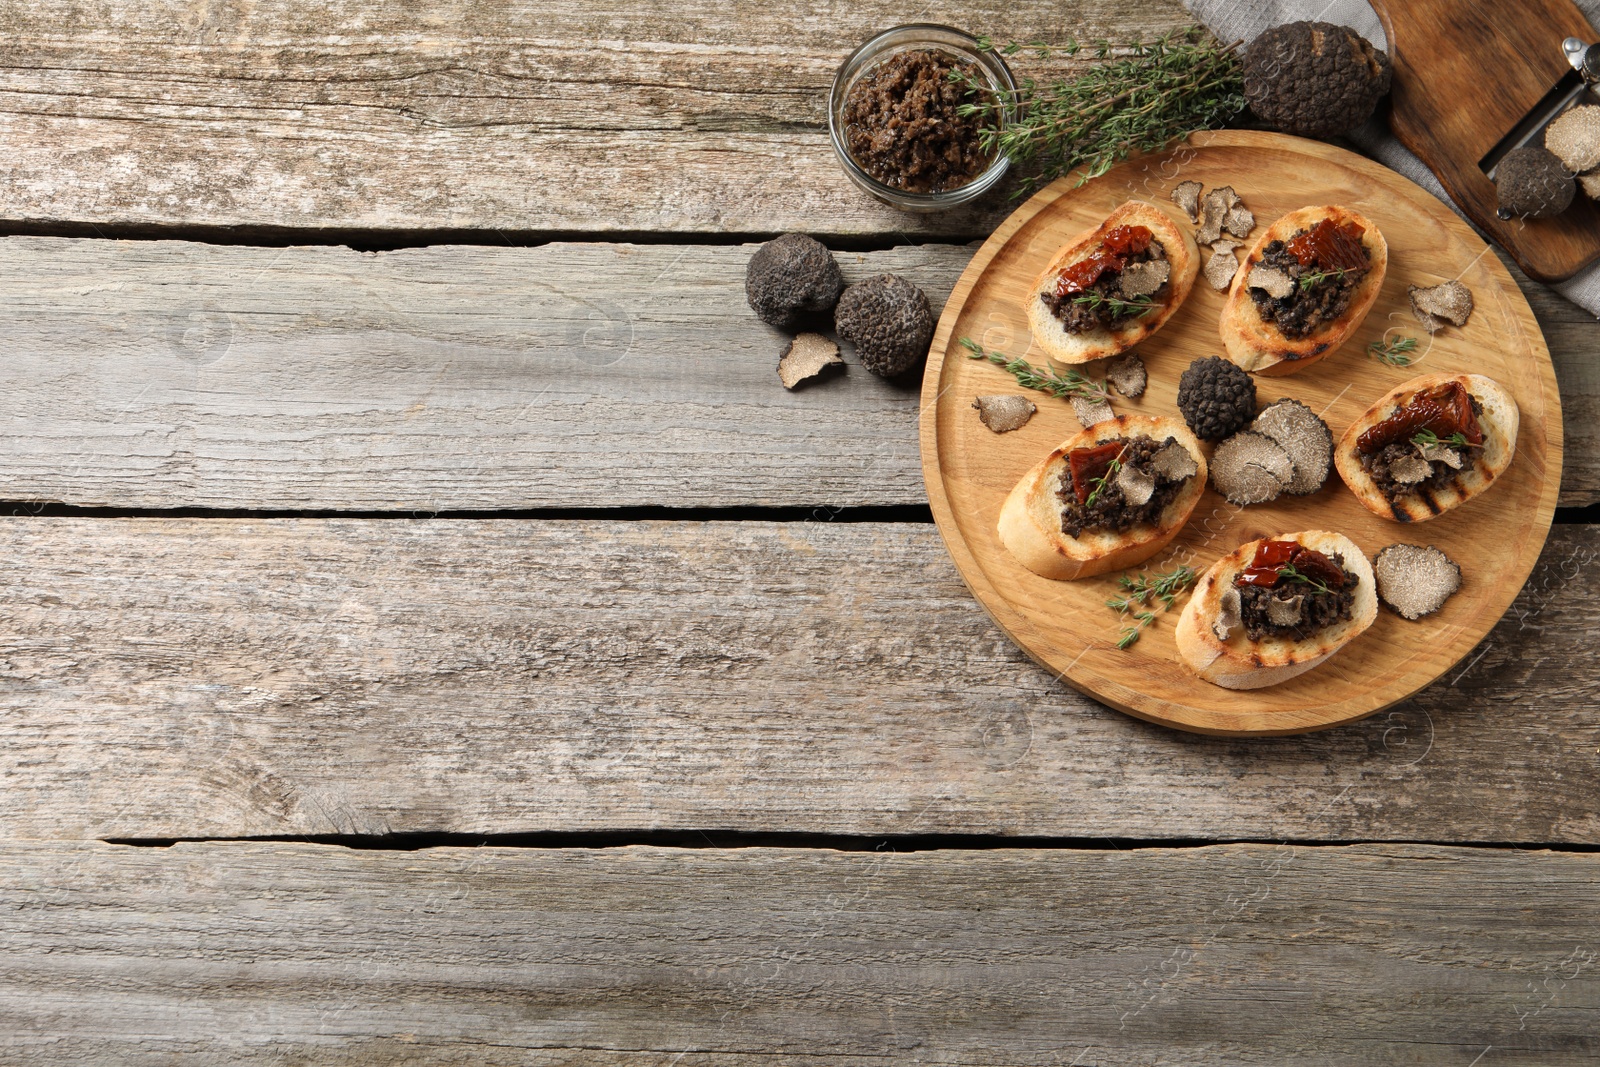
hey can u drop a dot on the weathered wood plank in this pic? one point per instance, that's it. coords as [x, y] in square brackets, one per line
[1241, 954]
[610, 116]
[225, 678]
[164, 374]
[174, 374]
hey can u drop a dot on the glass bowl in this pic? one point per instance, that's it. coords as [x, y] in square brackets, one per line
[905, 39]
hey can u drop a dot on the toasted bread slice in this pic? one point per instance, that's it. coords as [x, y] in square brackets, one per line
[1240, 663]
[1259, 346]
[1499, 423]
[1030, 519]
[1065, 348]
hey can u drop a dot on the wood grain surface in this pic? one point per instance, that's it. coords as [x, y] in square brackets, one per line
[1496, 538]
[225, 678]
[166, 374]
[611, 116]
[1245, 954]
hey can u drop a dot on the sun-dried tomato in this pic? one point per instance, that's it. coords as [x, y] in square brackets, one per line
[1120, 244]
[1266, 568]
[1445, 409]
[1090, 463]
[1330, 246]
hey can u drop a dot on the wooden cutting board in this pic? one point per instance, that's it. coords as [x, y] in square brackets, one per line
[1066, 626]
[1465, 74]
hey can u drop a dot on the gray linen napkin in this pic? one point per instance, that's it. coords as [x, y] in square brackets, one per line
[1233, 20]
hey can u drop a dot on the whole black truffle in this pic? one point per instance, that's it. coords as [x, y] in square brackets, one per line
[1314, 79]
[1533, 183]
[889, 321]
[792, 280]
[1217, 398]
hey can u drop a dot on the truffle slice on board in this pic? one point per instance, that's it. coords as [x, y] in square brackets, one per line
[1302, 434]
[1187, 196]
[1447, 303]
[1220, 269]
[1250, 468]
[1415, 581]
[1128, 375]
[1090, 412]
[1574, 137]
[1004, 413]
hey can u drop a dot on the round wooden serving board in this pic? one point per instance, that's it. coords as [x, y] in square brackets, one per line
[1066, 626]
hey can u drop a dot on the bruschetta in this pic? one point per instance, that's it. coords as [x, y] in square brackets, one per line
[1112, 287]
[1276, 607]
[1305, 286]
[1432, 444]
[1111, 496]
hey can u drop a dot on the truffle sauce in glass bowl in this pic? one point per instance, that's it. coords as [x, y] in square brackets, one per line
[892, 117]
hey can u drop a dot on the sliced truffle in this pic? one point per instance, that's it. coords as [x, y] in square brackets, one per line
[1273, 281]
[1314, 79]
[1128, 375]
[1225, 244]
[1174, 463]
[792, 280]
[1213, 209]
[1220, 269]
[1450, 457]
[1284, 612]
[1090, 412]
[1410, 468]
[1142, 279]
[1187, 196]
[1239, 221]
[1449, 302]
[1250, 468]
[1415, 581]
[1230, 613]
[1137, 486]
[1530, 182]
[1301, 433]
[1574, 138]
[1002, 414]
[808, 357]
[889, 321]
[1217, 398]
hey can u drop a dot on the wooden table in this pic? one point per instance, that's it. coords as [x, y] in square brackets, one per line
[433, 636]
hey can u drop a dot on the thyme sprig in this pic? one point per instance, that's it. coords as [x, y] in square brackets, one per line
[1139, 593]
[1071, 385]
[1098, 485]
[1138, 99]
[1295, 574]
[1310, 279]
[1121, 307]
[1396, 353]
[1426, 438]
